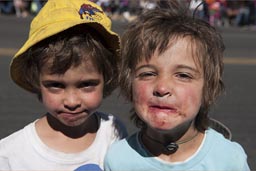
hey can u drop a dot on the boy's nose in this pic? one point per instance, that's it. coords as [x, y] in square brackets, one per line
[162, 88]
[72, 101]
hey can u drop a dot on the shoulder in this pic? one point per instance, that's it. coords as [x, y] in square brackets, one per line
[126, 147]
[224, 151]
[112, 125]
[11, 139]
[119, 152]
[221, 143]
[15, 140]
[129, 154]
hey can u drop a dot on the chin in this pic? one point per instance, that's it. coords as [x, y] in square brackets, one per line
[161, 127]
[73, 123]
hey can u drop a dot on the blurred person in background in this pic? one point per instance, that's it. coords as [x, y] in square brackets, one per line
[6, 7]
[217, 12]
[242, 17]
[21, 8]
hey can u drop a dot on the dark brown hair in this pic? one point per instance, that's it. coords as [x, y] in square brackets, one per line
[68, 49]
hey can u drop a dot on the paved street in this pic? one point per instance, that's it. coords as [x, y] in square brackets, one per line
[236, 108]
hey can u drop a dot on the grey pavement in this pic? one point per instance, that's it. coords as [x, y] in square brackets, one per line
[236, 109]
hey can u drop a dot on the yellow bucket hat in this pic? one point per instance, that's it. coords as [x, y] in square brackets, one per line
[59, 15]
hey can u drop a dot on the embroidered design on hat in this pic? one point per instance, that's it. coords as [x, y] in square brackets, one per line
[88, 10]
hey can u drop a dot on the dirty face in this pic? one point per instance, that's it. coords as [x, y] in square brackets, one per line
[167, 89]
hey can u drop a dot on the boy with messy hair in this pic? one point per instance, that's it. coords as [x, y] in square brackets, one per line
[70, 63]
[171, 71]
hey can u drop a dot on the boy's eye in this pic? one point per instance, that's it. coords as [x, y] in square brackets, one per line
[144, 75]
[184, 76]
[89, 84]
[54, 85]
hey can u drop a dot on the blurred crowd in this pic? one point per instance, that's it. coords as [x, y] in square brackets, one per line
[217, 12]
[226, 12]
[21, 8]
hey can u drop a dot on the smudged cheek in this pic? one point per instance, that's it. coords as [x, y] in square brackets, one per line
[141, 95]
[192, 100]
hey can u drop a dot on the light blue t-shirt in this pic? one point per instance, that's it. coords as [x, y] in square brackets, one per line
[215, 153]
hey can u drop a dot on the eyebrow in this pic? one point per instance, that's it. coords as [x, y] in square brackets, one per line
[144, 66]
[178, 67]
[188, 67]
[82, 80]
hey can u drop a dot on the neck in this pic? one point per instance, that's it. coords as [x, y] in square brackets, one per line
[167, 142]
[89, 126]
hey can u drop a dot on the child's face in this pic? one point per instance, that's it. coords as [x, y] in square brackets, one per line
[167, 90]
[73, 96]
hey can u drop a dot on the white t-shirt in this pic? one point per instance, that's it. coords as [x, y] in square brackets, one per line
[23, 150]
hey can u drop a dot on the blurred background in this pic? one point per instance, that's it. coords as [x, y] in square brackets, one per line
[236, 20]
[238, 13]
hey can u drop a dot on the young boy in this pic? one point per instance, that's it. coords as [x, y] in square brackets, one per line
[171, 71]
[70, 61]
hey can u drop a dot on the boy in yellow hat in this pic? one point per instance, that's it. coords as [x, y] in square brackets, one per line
[70, 62]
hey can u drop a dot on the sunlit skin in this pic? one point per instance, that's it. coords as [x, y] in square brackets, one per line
[74, 96]
[167, 89]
